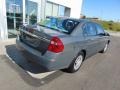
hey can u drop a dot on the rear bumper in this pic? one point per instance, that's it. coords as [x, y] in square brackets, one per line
[48, 60]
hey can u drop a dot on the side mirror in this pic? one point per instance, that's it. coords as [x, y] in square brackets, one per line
[107, 34]
[104, 34]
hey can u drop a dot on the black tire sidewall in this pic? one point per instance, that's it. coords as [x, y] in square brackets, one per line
[103, 51]
[71, 67]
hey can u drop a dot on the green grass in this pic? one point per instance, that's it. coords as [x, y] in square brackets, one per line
[109, 25]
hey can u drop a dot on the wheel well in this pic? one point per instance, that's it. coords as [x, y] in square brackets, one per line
[84, 51]
[108, 41]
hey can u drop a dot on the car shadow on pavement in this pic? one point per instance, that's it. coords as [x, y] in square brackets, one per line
[24, 62]
[22, 66]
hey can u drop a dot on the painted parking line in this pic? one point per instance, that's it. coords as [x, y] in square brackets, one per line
[41, 75]
[34, 75]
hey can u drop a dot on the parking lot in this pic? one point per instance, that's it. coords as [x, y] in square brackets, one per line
[99, 72]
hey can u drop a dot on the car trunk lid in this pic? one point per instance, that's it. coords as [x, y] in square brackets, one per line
[38, 38]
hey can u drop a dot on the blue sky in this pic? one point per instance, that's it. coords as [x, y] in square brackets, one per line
[104, 9]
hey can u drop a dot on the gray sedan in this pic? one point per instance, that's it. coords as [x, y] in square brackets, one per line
[62, 43]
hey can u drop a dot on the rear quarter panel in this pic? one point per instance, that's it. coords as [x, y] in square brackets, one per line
[73, 44]
[71, 48]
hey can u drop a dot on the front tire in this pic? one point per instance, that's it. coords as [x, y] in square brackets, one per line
[105, 48]
[76, 63]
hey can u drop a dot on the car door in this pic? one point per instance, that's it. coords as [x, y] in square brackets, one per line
[90, 38]
[101, 37]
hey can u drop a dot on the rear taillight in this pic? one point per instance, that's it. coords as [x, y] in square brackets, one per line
[56, 45]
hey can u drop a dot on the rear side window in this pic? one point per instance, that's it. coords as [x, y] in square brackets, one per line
[89, 29]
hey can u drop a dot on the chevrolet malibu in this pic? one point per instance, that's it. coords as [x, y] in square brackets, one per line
[62, 43]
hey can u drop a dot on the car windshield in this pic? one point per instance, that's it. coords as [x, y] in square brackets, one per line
[60, 24]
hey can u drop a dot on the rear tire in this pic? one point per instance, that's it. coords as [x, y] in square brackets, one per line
[76, 63]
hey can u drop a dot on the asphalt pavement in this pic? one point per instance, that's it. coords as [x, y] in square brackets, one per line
[99, 72]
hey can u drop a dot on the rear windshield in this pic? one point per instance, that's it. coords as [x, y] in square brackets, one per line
[59, 24]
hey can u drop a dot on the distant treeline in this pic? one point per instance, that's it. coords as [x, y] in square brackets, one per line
[109, 25]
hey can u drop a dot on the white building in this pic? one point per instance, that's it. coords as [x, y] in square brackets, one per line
[15, 12]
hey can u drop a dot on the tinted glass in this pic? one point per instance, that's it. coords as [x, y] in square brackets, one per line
[48, 9]
[55, 10]
[61, 11]
[100, 30]
[14, 13]
[89, 29]
[31, 12]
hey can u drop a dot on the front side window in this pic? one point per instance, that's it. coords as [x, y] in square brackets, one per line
[59, 24]
[89, 29]
[99, 29]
